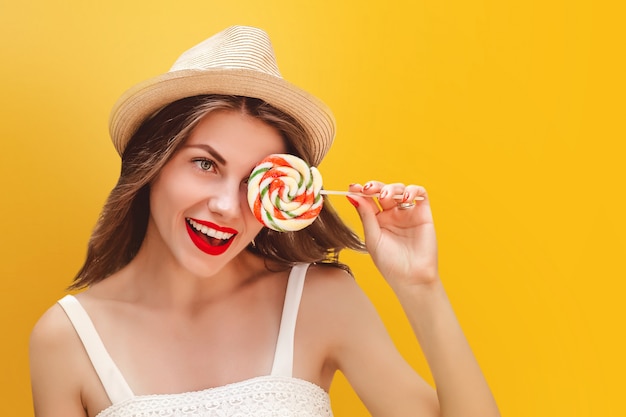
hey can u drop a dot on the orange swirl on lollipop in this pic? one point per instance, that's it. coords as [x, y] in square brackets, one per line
[284, 192]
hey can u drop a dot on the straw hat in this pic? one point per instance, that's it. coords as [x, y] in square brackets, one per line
[237, 61]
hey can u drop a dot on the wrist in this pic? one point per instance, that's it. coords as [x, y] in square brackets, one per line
[424, 287]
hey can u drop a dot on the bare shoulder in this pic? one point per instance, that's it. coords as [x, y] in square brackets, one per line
[53, 342]
[335, 288]
[53, 330]
[57, 365]
[329, 279]
[333, 297]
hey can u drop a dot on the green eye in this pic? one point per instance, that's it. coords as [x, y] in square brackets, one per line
[205, 164]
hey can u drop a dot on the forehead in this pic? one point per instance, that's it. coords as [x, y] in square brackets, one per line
[236, 135]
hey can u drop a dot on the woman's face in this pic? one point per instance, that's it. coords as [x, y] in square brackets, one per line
[199, 213]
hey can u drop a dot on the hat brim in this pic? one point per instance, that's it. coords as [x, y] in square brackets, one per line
[145, 98]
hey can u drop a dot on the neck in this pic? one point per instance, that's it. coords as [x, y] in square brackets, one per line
[158, 280]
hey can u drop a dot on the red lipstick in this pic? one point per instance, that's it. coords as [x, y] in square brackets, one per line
[207, 244]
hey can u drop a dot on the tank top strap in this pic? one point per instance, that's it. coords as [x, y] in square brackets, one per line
[112, 379]
[283, 357]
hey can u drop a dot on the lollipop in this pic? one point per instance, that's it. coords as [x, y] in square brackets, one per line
[284, 192]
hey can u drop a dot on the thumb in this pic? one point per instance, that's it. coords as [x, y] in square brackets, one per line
[367, 212]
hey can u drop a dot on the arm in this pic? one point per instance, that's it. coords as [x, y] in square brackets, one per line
[403, 245]
[461, 387]
[55, 371]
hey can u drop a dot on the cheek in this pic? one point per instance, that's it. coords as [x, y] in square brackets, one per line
[160, 203]
[169, 196]
[176, 185]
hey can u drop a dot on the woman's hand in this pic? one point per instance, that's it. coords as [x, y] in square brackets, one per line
[399, 235]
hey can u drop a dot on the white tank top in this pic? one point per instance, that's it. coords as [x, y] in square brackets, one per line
[277, 394]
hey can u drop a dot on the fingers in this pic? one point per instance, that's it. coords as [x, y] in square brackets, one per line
[396, 195]
[392, 208]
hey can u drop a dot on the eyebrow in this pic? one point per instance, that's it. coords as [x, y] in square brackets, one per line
[211, 151]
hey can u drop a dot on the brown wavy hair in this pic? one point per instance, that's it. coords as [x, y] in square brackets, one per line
[121, 227]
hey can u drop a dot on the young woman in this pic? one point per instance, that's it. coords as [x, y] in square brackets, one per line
[191, 307]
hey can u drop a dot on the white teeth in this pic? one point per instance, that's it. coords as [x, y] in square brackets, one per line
[216, 234]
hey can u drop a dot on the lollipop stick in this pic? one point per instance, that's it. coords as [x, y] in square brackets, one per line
[395, 197]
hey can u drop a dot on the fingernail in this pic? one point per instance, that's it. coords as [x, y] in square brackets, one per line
[405, 197]
[368, 185]
[353, 201]
[384, 193]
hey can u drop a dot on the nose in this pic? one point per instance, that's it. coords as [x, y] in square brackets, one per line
[225, 200]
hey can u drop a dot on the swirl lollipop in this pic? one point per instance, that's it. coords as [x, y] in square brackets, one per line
[284, 192]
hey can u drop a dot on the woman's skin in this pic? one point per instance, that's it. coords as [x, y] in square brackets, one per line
[191, 312]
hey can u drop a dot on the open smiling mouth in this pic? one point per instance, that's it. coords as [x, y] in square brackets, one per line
[209, 238]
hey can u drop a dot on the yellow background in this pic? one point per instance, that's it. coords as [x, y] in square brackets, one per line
[510, 112]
